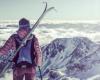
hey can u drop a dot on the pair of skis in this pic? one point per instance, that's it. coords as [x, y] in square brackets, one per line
[8, 61]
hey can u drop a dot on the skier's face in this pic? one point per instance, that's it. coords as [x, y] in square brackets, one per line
[22, 33]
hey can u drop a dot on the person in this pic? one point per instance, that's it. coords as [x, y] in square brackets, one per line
[28, 57]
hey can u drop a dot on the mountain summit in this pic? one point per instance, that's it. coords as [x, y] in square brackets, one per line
[74, 57]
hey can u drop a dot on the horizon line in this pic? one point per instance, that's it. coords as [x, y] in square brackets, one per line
[53, 21]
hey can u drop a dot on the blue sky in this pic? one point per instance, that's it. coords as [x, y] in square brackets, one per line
[66, 9]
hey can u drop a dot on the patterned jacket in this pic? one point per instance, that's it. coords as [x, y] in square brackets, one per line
[11, 45]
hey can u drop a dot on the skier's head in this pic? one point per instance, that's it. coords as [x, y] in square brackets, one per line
[24, 24]
[24, 27]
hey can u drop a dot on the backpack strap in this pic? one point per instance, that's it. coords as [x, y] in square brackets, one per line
[17, 45]
[33, 54]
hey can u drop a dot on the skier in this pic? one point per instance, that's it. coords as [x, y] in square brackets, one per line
[28, 57]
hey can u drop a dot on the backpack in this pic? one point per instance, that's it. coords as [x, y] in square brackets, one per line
[33, 56]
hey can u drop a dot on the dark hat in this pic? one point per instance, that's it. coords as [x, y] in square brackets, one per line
[24, 23]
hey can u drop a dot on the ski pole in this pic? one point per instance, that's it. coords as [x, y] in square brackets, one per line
[40, 72]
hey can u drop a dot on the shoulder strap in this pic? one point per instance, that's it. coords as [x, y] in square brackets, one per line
[33, 55]
[15, 36]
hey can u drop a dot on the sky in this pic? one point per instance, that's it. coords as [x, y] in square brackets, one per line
[65, 9]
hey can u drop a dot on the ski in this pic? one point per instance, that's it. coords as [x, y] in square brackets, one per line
[8, 60]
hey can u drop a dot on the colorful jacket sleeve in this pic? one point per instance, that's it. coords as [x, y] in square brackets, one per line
[9, 44]
[38, 52]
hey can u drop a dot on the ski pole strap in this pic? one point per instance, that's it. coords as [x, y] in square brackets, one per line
[40, 73]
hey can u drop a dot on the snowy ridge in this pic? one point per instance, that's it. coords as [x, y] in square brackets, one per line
[72, 56]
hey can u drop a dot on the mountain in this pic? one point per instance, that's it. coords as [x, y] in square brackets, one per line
[73, 57]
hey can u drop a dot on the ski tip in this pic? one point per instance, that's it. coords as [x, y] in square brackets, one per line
[44, 2]
[54, 9]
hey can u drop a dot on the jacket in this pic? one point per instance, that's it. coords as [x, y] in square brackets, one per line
[11, 45]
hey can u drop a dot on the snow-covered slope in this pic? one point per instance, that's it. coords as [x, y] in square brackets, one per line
[75, 57]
